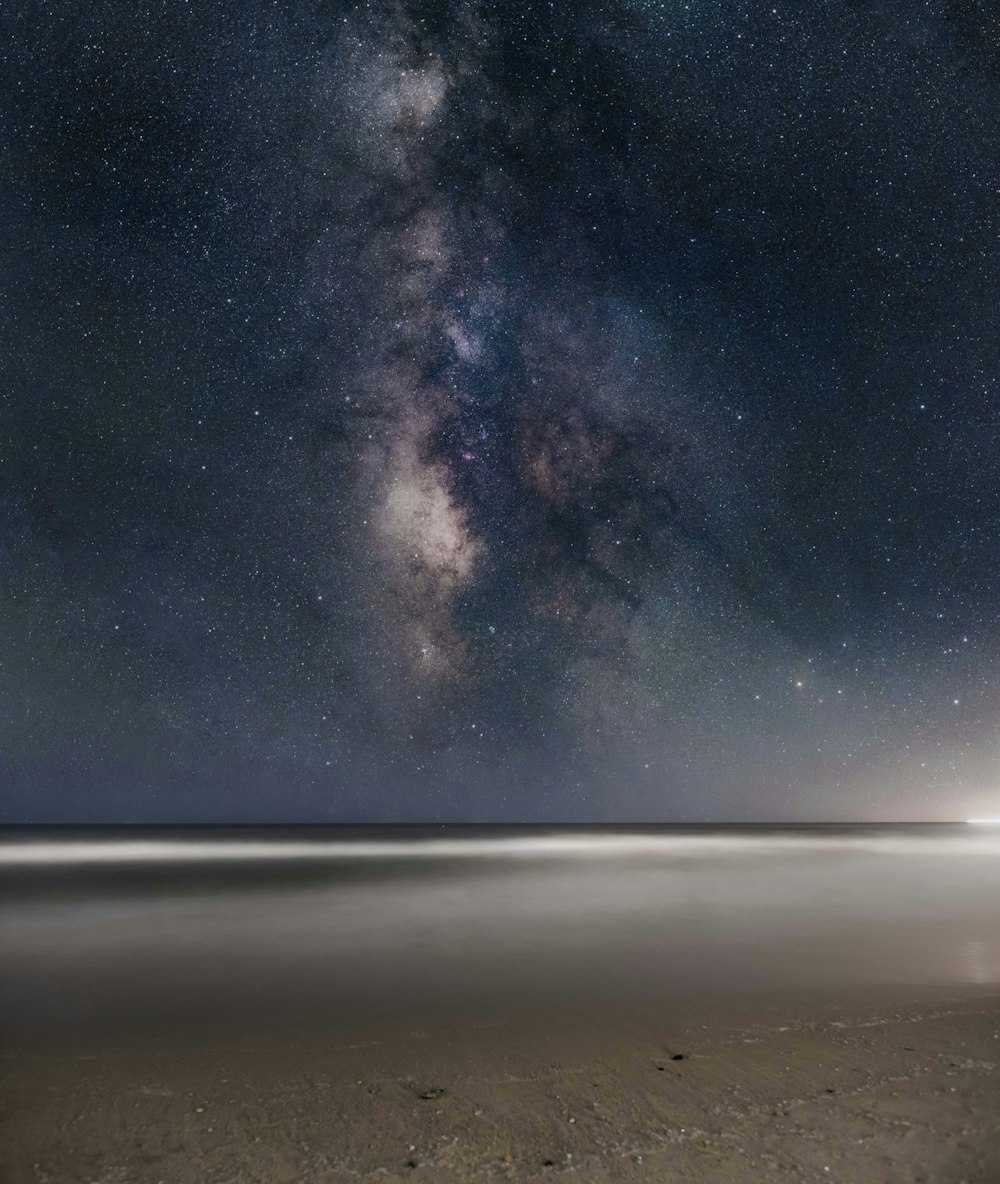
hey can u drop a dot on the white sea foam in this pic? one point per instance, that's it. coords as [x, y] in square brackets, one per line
[673, 845]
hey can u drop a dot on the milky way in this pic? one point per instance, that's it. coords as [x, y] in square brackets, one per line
[460, 411]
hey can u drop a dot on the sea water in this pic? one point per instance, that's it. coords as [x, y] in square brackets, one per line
[132, 934]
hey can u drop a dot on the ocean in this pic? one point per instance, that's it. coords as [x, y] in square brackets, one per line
[131, 936]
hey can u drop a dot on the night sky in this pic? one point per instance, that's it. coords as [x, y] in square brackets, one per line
[499, 411]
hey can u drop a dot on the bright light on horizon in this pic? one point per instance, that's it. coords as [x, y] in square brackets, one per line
[983, 821]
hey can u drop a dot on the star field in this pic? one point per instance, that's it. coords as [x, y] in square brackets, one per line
[465, 411]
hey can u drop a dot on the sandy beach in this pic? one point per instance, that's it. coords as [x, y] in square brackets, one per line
[879, 1093]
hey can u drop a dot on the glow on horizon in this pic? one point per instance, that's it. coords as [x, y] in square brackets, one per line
[983, 821]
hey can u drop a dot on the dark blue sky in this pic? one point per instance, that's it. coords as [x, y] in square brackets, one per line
[499, 412]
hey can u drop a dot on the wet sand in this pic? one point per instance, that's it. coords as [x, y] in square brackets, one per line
[772, 1008]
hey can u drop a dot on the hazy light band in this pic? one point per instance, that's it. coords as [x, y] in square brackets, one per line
[72, 852]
